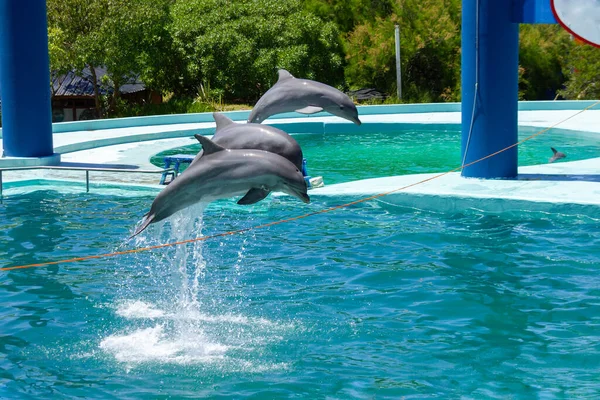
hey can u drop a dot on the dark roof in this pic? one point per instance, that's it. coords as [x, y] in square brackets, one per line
[367, 94]
[72, 84]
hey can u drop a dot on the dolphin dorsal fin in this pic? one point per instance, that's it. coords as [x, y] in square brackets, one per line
[553, 150]
[208, 145]
[284, 75]
[222, 120]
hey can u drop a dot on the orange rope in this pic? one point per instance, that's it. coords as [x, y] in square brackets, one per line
[326, 210]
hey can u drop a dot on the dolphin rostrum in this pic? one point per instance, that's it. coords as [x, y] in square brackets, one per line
[557, 155]
[222, 173]
[254, 136]
[303, 96]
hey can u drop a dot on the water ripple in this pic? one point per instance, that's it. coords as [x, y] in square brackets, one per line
[371, 301]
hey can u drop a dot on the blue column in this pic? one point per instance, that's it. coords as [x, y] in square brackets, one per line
[25, 77]
[490, 59]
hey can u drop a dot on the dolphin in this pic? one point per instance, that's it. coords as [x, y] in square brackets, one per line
[254, 136]
[222, 173]
[303, 96]
[557, 155]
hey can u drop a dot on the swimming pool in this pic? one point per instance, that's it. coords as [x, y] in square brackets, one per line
[414, 149]
[372, 301]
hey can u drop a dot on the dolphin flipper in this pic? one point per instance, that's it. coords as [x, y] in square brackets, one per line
[309, 110]
[253, 196]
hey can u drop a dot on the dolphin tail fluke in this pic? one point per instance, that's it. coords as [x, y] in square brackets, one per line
[147, 221]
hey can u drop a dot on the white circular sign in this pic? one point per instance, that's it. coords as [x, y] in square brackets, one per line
[581, 18]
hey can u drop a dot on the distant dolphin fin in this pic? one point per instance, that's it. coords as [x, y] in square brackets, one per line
[222, 120]
[283, 75]
[147, 221]
[208, 145]
[309, 110]
[553, 150]
[253, 196]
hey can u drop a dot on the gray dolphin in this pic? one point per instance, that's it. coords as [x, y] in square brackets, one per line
[303, 96]
[254, 136]
[557, 155]
[223, 173]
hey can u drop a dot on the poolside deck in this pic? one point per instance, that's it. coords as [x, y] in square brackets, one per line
[540, 186]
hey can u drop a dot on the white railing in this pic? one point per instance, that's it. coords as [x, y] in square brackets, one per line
[87, 173]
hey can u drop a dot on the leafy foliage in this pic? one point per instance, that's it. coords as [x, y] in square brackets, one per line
[128, 37]
[430, 51]
[171, 106]
[347, 14]
[209, 51]
[237, 47]
[581, 65]
[540, 74]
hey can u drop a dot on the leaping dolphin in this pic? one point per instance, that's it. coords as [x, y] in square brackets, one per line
[222, 173]
[557, 155]
[303, 96]
[254, 136]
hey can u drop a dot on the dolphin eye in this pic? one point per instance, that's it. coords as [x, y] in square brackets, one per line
[341, 107]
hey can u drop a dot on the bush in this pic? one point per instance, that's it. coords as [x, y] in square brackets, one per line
[540, 75]
[238, 46]
[172, 106]
[581, 65]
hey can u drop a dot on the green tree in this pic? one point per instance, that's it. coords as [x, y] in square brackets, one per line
[136, 43]
[581, 66]
[540, 48]
[234, 49]
[347, 14]
[128, 37]
[74, 39]
[430, 48]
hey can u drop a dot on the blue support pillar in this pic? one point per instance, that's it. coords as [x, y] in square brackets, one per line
[25, 79]
[490, 62]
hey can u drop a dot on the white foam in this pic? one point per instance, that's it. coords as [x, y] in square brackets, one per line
[139, 309]
[154, 344]
[136, 309]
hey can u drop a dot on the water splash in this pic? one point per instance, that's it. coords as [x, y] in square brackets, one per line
[174, 318]
[139, 309]
[159, 344]
[189, 259]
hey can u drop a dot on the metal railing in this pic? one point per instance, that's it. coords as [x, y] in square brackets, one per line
[87, 173]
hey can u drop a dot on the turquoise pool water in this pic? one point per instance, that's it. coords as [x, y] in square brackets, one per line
[416, 149]
[375, 301]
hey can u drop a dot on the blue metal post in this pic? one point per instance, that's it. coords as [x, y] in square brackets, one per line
[490, 62]
[25, 77]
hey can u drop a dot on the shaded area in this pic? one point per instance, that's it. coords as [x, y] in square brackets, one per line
[559, 177]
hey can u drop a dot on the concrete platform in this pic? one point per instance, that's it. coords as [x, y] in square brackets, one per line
[540, 187]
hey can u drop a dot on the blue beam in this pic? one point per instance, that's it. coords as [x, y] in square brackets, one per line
[490, 61]
[533, 12]
[25, 77]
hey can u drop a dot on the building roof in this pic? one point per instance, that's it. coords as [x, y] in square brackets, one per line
[73, 84]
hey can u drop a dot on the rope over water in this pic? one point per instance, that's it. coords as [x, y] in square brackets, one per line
[283, 221]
